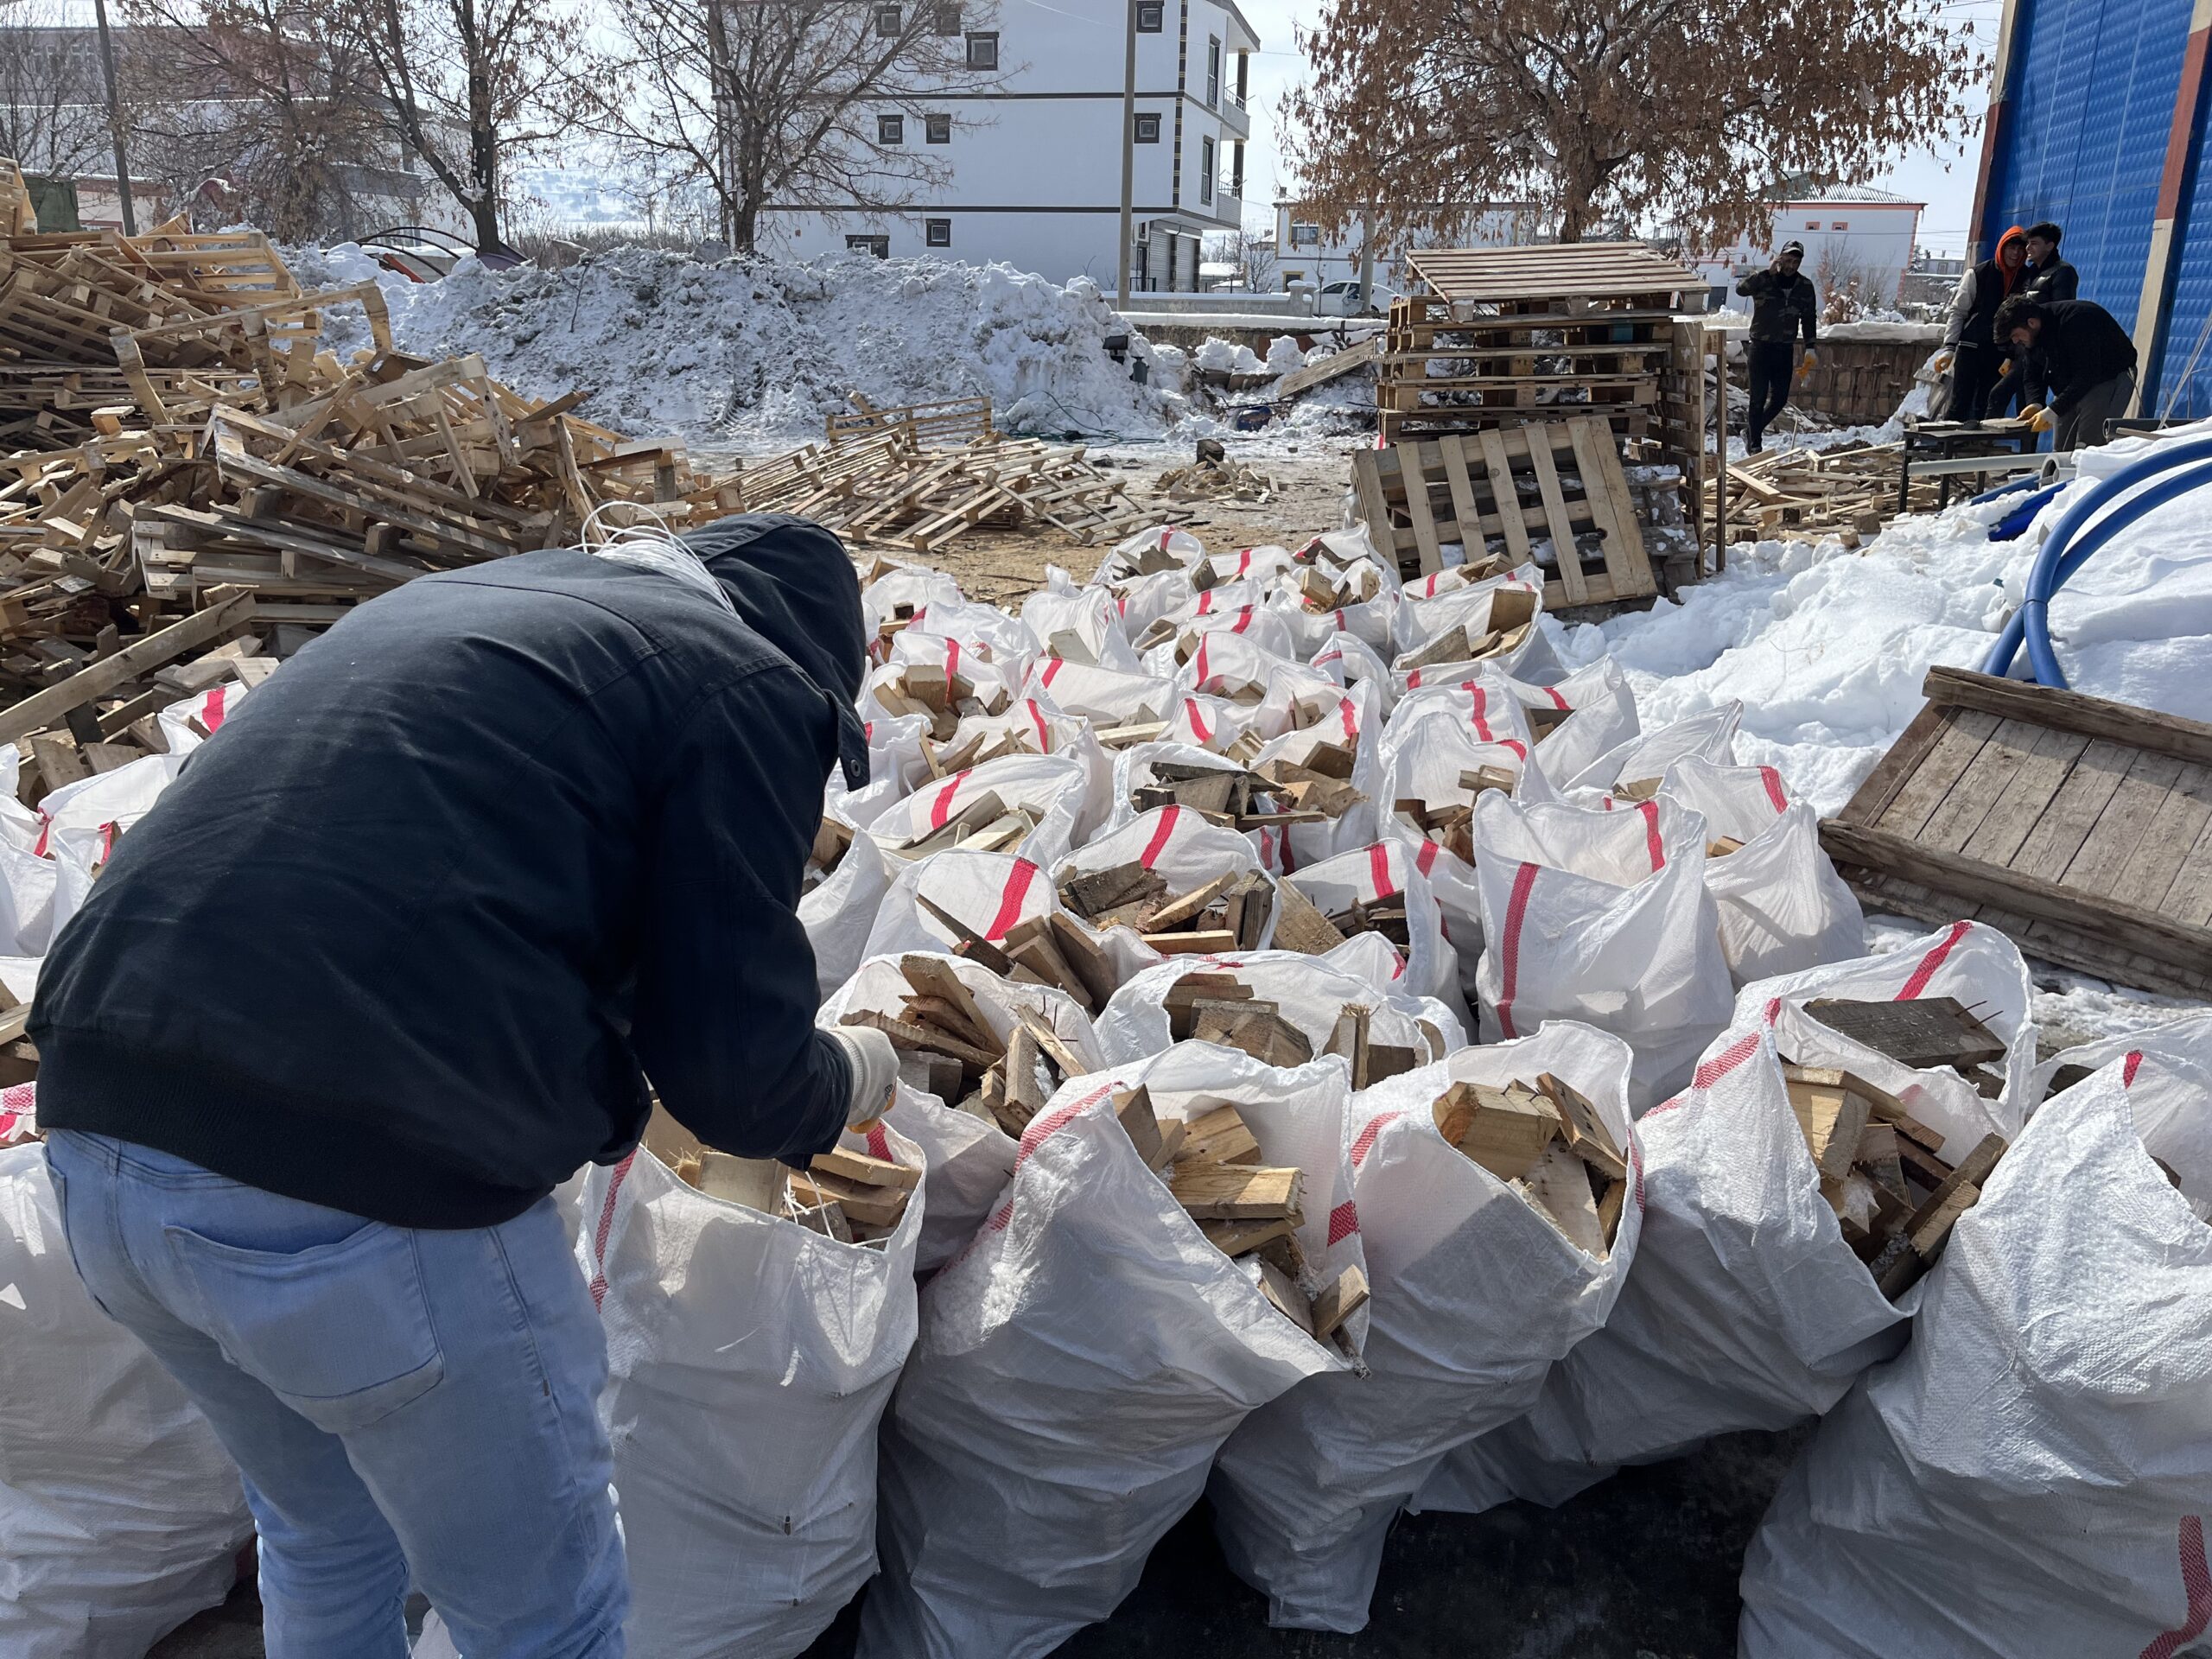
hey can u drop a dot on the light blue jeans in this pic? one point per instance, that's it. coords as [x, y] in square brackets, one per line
[397, 1401]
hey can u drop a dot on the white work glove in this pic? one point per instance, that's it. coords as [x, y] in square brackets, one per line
[874, 1067]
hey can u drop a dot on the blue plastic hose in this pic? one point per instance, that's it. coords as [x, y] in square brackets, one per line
[2060, 557]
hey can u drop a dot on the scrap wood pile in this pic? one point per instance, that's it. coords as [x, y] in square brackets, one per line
[1546, 1143]
[1214, 476]
[1847, 493]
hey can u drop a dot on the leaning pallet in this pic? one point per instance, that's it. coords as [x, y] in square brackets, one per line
[1504, 491]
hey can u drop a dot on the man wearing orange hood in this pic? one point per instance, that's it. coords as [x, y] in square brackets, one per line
[1970, 347]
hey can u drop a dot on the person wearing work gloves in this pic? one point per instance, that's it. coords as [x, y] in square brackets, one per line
[2082, 354]
[398, 951]
[1971, 352]
[1782, 301]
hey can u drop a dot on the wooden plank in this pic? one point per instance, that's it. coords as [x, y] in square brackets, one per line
[1606, 488]
[2174, 829]
[1967, 806]
[2057, 835]
[43, 708]
[1872, 797]
[2189, 898]
[1965, 731]
[1500, 468]
[1417, 508]
[1561, 527]
[2120, 828]
[2120, 722]
[1367, 481]
[1466, 515]
[2027, 797]
[2124, 926]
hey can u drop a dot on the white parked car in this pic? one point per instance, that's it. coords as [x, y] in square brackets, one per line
[1344, 300]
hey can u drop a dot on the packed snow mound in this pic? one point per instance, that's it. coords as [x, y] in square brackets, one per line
[1826, 648]
[761, 348]
[1230, 355]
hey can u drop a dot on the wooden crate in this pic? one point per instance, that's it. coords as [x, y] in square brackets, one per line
[1502, 491]
[2080, 827]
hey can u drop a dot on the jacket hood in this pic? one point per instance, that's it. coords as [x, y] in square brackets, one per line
[2010, 278]
[792, 582]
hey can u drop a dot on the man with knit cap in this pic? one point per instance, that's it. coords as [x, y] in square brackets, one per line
[1783, 303]
[397, 953]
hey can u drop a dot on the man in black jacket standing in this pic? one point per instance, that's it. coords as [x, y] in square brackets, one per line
[2048, 277]
[2082, 354]
[1782, 301]
[395, 955]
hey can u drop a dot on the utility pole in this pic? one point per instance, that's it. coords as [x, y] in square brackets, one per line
[1129, 158]
[115, 119]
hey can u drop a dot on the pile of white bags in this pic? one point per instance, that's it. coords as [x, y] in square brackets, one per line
[1081, 1363]
[1475, 1292]
[2031, 1476]
[120, 1513]
[750, 1360]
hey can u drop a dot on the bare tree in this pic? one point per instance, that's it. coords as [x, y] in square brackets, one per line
[1614, 110]
[53, 119]
[471, 86]
[835, 105]
[1850, 286]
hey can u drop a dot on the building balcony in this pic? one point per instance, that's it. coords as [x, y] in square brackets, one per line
[1236, 119]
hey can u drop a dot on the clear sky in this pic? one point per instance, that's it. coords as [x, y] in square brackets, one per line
[1941, 174]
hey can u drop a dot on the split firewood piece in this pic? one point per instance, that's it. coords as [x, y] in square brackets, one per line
[932, 978]
[1237, 1191]
[1559, 1183]
[832, 841]
[1482, 777]
[1300, 925]
[828, 1219]
[968, 941]
[1311, 792]
[1003, 834]
[1212, 942]
[1721, 846]
[1610, 1204]
[1091, 964]
[1255, 1028]
[1585, 1133]
[756, 1183]
[1026, 1091]
[1928, 1228]
[1031, 945]
[1236, 1238]
[1157, 1143]
[1220, 1137]
[1544, 720]
[932, 1074]
[1245, 908]
[1877, 1158]
[1341, 1297]
[927, 1039]
[879, 1206]
[1387, 1060]
[1186, 993]
[1051, 1044]
[1511, 608]
[1923, 1033]
[1505, 1130]
[1208, 792]
[1349, 1039]
[1282, 1290]
[1169, 916]
[867, 1171]
[1095, 892]
[985, 808]
[1451, 645]
[1831, 1113]
[1128, 736]
[1643, 788]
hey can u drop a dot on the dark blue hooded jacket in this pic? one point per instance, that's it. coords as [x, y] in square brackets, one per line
[408, 935]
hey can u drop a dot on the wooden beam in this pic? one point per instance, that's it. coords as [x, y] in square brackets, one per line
[2070, 711]
[42, 709]
[2123, 926]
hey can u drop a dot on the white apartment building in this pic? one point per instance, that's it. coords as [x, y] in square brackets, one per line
[1035, 163]
[1303, 254]
[1850, 231]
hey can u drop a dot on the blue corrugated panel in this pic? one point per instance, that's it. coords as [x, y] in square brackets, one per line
[2094, 94]
[2184, 382]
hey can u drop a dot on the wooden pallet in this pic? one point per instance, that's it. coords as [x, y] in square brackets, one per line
[2082, 827]
[950, 420]
[1501, 490]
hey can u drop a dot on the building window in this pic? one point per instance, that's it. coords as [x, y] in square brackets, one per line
[878, 246]
[948, 20]
[1812, 224]
[887, 22]
[937, 129]
[1151, 19]
[1304, 236]
[1148, 130]
[890, 129]
[1840, 225]
[1213, 73]
[1205, 169]
[983, 51]
[937, 232]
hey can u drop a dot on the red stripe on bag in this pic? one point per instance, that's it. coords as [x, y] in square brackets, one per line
[1243, 620]
[1340, 627]
[1202, 663]
[2197, 1584]
[1365, 1143]
[1053, 665]
[941, 808]
[1931, 962]
[1482, 702]
[1378, 870]
[1413, 681]
[1558, 701]
[606, 1226]
[1198, 720]
[210, 711]
[1350, 716]
[1772, 779]
[1652, 844]
[1160, 832]
[1039, 1131]
[1517, 910]
[879, 1143]
[1344, 1222]
[1206, 602]
[45, 830]
[1728, 1059]
[1044, 736]
[1425, 859]
[1017, 889]
[951, 658]
[1244, 562]
[1518, 748]
[2127, 1073]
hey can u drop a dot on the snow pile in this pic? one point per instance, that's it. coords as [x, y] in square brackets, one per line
[763, 348]
[1228, 354]
[1283, 355]
[1826, 648]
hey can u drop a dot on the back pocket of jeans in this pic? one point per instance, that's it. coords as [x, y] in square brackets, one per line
[341, 1331]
